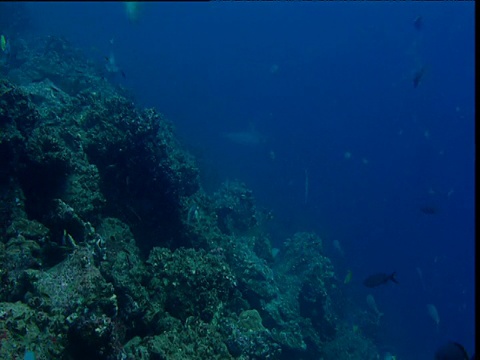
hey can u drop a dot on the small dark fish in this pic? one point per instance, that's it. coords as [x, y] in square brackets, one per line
[418, 23]
[379, 279]
[123, 74]
[417, 76]
[452, 351]
[429, 210]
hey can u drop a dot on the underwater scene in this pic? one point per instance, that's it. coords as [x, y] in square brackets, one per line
[237, 180]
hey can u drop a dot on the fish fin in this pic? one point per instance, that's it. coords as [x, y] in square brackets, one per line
[392, 277]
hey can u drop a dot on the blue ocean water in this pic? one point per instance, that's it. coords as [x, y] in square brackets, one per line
[313, 106]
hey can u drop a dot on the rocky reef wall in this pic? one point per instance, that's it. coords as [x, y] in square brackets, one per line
[110, 248]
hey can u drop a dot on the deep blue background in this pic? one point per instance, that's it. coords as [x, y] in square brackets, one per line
[343, 84]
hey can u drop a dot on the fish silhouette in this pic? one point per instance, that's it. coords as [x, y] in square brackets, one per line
[452, 351]
[379, 279]
[417, 76]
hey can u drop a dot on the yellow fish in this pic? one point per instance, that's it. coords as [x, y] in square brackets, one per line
[348, 277]
[3, 42]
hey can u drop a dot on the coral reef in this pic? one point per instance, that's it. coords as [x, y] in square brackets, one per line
[111, 249]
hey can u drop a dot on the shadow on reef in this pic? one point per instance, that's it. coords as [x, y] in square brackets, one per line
[110, 248]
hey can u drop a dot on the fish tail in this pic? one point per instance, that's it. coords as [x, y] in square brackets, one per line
[392, 277]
